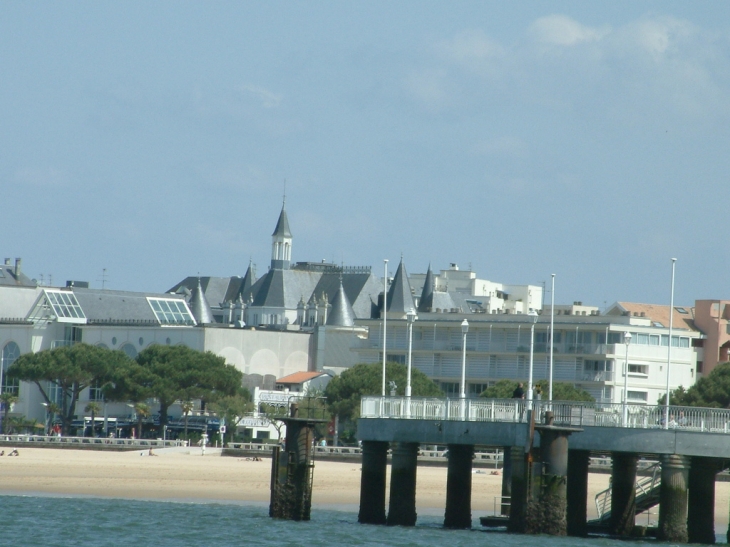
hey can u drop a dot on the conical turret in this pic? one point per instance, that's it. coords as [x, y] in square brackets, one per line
[199, 306]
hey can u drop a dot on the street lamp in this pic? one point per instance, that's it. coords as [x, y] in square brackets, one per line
[385, 318]
[533, 318]
[464, 330]
[627, 341]
[410, 317]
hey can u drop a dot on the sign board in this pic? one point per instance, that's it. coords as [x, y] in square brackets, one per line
[222, 429]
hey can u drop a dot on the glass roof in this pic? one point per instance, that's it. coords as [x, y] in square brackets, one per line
[65, 306]
[171, 311]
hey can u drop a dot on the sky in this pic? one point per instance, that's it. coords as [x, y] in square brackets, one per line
[141, 143]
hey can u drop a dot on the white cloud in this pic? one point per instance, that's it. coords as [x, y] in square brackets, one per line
[561, 30]
[429, 86]
[659, 35]
[268, 99]
[468, 47]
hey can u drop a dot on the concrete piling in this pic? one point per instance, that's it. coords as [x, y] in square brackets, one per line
[578, 461]
[673, 498]
[458, 486]
[402, 507]
[373, 482]
[623, 494]
[701, 499]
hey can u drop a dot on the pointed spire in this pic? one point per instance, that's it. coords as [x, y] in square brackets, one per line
[400, 296]
[199, 306]
[342, 314]
[248, 280]
[425, 304]
[282, 225]
[281, 241]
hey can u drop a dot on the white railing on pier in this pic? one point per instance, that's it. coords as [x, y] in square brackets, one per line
[95, 441]
[572, 413]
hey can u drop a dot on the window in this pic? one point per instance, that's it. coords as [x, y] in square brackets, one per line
[95, 393]
[641, 339]
[171, 311]
[129, 350]
[11, 352]
[682, 311]
[476, 389]
[615, 337]
[637, 396]
[65, 306]
[450, 389]
[639, 369]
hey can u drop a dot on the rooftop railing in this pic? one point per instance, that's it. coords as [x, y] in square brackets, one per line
[567, 413]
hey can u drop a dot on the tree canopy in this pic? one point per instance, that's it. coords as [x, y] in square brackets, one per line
[712, 390]
[562, 391]
[175, 373]
[345, 391]
[72, 369]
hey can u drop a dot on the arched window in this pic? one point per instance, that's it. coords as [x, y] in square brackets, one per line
[129, 350]
[11, 352]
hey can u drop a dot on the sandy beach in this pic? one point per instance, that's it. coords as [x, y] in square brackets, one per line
[192, 477]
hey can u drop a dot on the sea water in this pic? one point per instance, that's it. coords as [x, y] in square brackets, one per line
[55, 521]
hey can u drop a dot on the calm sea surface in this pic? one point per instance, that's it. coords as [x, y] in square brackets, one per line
[70, 521]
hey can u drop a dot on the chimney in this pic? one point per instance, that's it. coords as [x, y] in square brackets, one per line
[7, 262]
[17, 268]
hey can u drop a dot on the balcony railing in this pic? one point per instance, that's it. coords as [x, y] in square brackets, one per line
[568, 413]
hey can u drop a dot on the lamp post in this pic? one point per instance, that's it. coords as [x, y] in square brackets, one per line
[410, 317]
[627, 341]
[552, 336]
[669, 347]
[385, 316]
[464, 330]
[533, 318]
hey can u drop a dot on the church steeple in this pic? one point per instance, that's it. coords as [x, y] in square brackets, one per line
[281, 242]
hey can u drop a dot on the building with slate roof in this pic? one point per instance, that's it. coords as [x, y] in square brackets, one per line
[34, 317]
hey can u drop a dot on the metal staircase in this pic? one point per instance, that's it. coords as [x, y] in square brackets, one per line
[647, 494]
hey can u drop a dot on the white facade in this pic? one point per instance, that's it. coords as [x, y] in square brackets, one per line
[588, 352]
[493, 297]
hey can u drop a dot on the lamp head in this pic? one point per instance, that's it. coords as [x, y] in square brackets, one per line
[464, 326]
[411, 315]
[532, 314]
[627, 338]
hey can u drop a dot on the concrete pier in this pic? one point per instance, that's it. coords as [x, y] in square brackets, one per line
[373, 482]
[623, 494]
[673, 498]
[701, 499]
[578, 461]
[547, 506]
[402, 507]
[292, 470]
[458, 486]
[506, 480]
[520, 480]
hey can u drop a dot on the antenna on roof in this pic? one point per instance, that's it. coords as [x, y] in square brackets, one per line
[283, 201]
[103, 278]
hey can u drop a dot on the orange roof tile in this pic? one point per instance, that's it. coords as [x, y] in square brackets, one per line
[299, 377]
[660, 314]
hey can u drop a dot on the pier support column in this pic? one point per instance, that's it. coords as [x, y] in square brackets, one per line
[547, 508]
[372, 482]
[402, 508]
[518, 502]
[458, 487]
[673, 498]
[506, 480]
[623, 494]
[701, 498]
[578, 461]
